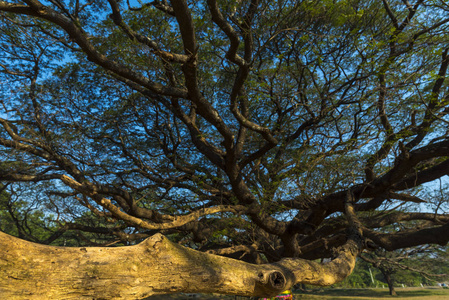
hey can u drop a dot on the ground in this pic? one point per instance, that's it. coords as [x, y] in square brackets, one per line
[430, 293]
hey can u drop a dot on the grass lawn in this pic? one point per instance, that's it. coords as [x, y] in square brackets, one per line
[403, 293]
[430, 293]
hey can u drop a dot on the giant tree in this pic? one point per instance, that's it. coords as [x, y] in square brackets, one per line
[231, 143]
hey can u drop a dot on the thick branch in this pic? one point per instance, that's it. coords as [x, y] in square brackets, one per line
[436, 235]
[156, 266]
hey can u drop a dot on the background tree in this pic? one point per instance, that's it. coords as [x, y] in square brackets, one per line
[412, 267]
[275, 132]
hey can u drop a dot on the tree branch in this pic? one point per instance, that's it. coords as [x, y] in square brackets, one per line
[155, 266]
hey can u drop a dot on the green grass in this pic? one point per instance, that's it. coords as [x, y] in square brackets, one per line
[432, 293]
[407, 293]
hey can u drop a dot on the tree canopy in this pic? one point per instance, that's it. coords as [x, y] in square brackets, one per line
[273, 132]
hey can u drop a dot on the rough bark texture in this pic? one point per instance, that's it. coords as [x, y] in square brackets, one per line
[155, 266]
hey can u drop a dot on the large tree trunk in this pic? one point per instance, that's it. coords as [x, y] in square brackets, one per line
[155, 266]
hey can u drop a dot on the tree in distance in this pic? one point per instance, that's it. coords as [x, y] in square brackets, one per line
[414, 266]
[229, 144]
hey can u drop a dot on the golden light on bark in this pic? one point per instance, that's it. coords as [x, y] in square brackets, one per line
[155, 266]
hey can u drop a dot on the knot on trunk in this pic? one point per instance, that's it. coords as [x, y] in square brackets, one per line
[271, 283]
[277, 280]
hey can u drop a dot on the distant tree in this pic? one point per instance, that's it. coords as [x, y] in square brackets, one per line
[272, 132]
[410, 266]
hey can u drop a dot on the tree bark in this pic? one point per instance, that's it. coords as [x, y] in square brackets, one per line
[155, 266]
[390, 282]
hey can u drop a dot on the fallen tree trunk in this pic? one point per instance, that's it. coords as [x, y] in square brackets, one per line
[155, 266]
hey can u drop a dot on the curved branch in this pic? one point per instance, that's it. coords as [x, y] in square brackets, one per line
[176, 221]
[76, 33]
[217, 18]
[133, 35]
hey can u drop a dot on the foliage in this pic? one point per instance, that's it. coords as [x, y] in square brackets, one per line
[241, 128]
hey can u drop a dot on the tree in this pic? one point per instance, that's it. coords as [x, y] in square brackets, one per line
[273, 132]
[409, 266]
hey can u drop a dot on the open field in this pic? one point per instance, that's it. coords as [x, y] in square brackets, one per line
[432, 293]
